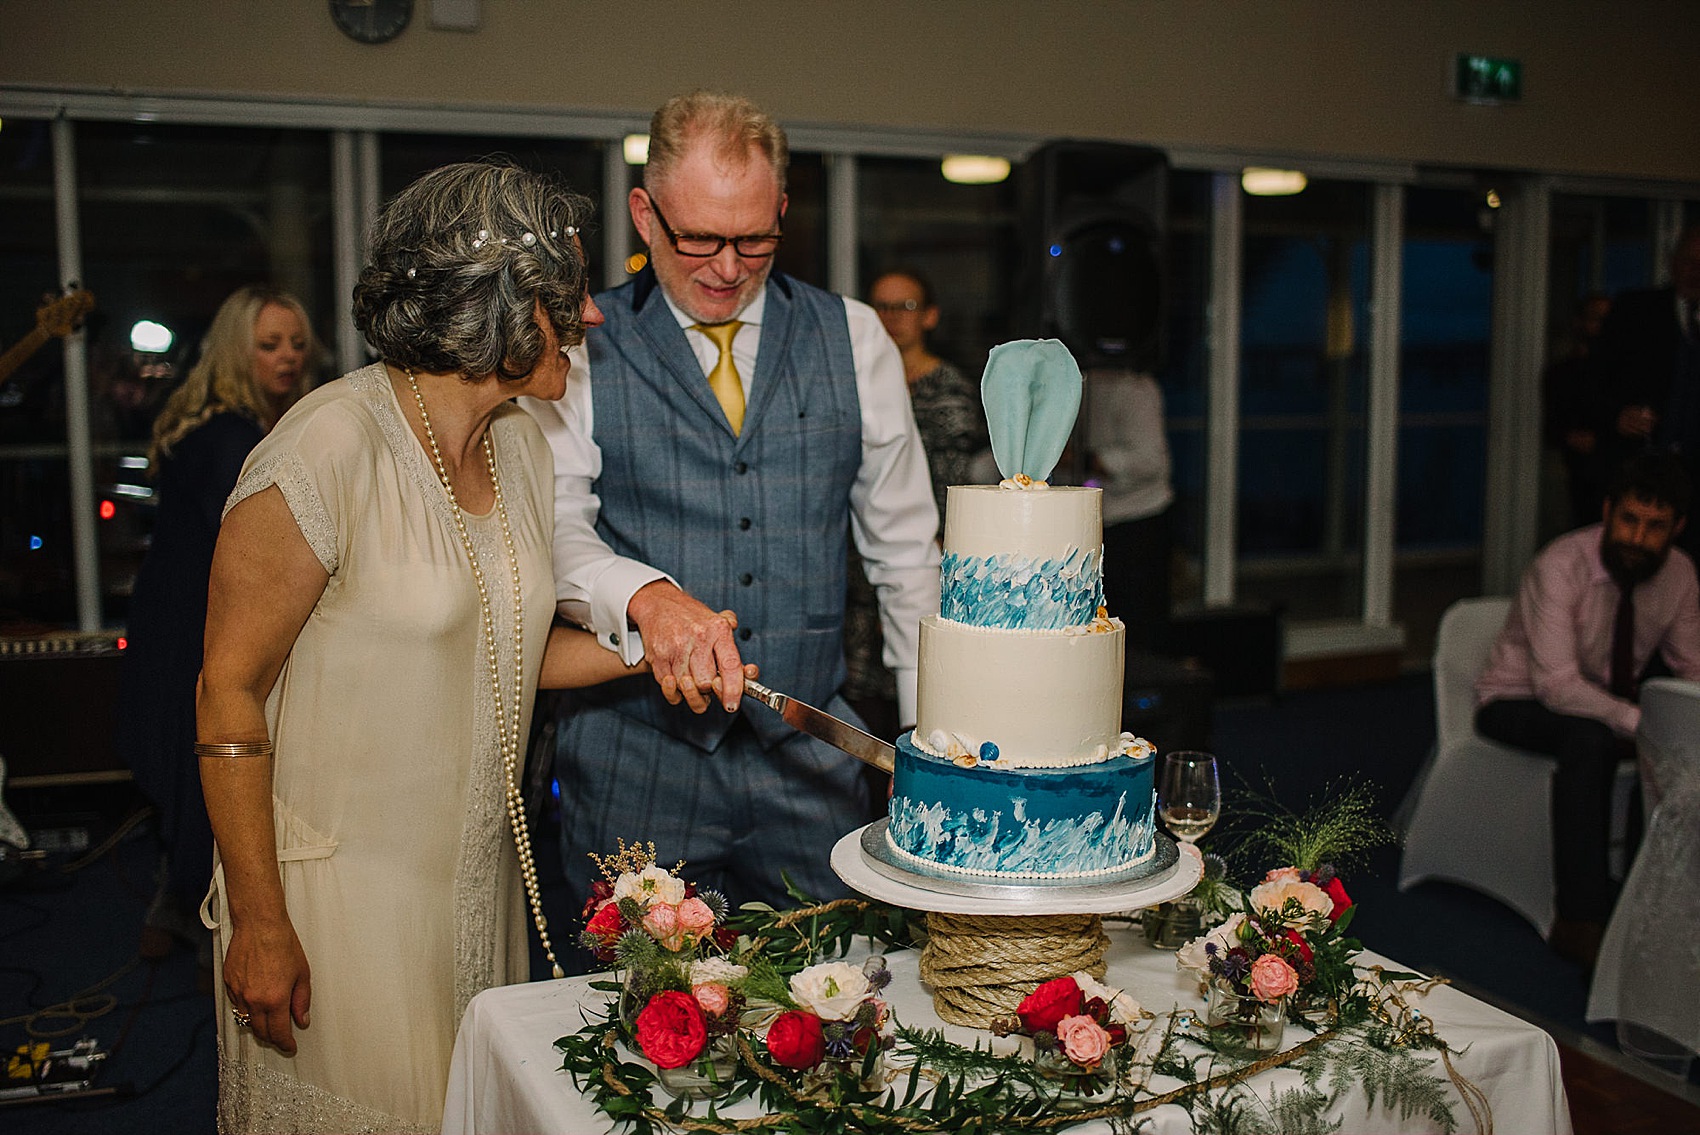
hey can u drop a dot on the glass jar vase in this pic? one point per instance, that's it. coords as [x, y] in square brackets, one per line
[1255, 1023]
[709, 1076]
[1171, 925]
[1077, 1088]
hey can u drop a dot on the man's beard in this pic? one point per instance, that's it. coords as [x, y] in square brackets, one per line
[1629, 564]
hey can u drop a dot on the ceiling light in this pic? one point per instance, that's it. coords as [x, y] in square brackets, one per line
[974, 169]
[636, 149]
[1261, 182]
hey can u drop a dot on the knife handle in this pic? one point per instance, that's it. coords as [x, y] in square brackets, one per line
[773, 701]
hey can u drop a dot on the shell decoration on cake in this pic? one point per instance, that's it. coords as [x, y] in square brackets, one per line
[1031, 392]
[965, 752]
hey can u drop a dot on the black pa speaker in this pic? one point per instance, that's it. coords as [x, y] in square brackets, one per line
[1092, 230]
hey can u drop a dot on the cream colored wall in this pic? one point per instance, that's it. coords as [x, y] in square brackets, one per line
[1607, 87]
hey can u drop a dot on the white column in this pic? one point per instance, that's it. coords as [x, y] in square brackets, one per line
[1222, 428]
[85, 542]
[346, 244]
[1667, 226]
[1520, 255]
[841, 206]
[1382, 427]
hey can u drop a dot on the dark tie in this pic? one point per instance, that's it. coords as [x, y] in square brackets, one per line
[1623, 644]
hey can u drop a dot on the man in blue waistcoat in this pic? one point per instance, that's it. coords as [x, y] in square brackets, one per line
[729, 430]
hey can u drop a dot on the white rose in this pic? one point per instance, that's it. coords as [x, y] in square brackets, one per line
[1193, 956]
[717, 971]
[831, 990]
[1123, 1007]
[652, 884]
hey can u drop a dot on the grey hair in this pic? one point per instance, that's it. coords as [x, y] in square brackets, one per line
[461, 260]
[733, 122]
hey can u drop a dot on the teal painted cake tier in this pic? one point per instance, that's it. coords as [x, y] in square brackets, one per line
[1020, 592]
[1021, 823]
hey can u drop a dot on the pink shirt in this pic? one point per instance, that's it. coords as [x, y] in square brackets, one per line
[1556, 642]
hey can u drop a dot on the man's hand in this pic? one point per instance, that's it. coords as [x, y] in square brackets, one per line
[688, 646]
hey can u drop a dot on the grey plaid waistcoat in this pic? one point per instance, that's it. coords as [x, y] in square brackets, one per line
[758, 523]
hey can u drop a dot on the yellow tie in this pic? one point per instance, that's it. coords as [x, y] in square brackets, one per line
[723, 379]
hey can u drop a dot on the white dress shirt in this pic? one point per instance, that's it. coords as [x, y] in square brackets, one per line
[892, 516]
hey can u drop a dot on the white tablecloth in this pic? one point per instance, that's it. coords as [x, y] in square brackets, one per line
[506, 1078]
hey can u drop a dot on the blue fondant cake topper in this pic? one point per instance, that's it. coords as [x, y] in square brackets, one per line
[1031, 391]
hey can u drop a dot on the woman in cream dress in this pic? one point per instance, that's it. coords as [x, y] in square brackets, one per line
[368, 683]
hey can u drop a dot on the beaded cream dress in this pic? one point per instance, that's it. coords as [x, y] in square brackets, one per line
[398, 867]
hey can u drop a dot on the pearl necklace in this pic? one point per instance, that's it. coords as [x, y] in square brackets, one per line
[507, 724]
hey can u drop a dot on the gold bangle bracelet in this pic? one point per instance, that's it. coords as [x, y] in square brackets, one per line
[233, 749]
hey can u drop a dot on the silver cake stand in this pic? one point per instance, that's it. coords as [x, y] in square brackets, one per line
[990, 944]
[866, 864]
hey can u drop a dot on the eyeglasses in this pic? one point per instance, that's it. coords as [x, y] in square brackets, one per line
[892, 307]
[757, 246]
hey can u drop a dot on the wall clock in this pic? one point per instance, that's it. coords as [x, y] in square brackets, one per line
[371, 21]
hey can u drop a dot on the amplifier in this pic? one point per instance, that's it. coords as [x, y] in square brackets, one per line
[59, 708]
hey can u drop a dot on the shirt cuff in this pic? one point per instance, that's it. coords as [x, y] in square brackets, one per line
[614, 591]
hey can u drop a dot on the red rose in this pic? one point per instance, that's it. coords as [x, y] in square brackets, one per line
[600, 892]
[1336, 890]
[606, 923]
[794, 1040]
[1296, 939]
[1041, 1009]
[670, 1029]
[1118, 1034]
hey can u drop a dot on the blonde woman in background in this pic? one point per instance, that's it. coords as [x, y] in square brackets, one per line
[257, 359]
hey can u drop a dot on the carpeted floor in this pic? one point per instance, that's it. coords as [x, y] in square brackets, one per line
[73, 932]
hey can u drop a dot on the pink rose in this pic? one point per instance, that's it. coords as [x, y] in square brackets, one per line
[1283, 875]
[1272, 978]
[1084, 1041]
[695, 918]
[661, 922]
[712, 997]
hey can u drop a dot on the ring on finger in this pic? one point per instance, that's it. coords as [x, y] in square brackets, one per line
[243, 1020]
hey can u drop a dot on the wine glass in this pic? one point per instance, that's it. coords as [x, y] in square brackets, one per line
[1189, 795]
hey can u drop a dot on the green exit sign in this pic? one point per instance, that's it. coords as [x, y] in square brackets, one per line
[1482, 78]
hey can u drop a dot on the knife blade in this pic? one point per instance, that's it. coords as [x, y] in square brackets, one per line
[818, 723]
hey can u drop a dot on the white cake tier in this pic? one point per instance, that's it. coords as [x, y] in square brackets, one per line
[1045, 699]
[1022, 558]
[1038, 523]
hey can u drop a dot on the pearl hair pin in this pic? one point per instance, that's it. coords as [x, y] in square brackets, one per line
[527, 239]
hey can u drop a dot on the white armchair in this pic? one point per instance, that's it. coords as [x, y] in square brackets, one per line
[1648, 973]
[1480, 814]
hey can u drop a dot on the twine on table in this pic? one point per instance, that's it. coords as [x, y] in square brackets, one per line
[981, 966]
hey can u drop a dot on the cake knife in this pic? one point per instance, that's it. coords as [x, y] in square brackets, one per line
[818, 723]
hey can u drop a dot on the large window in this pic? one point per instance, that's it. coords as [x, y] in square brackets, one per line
[173, 219]
[1185, 365]
[962, 237]
[36, 564]
[1447, 289]
[1304, 347]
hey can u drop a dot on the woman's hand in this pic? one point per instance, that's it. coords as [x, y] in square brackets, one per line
[266, 974]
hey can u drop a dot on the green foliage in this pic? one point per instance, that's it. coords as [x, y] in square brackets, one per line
[1405, 1084]
[1339, 829]
[951, 1088]
[814, 931]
